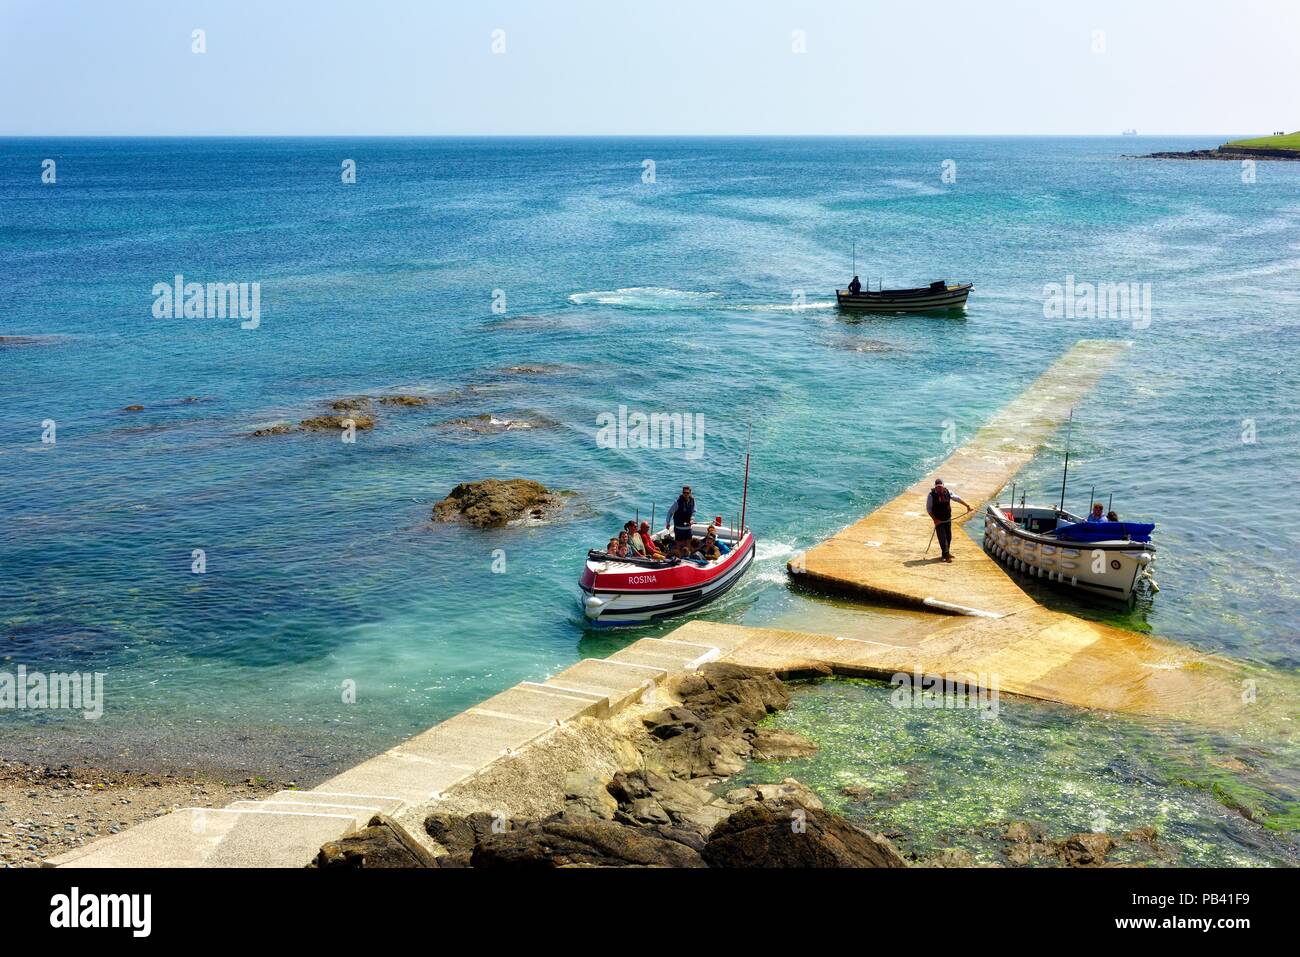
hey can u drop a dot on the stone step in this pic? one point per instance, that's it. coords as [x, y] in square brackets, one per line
[216, 837]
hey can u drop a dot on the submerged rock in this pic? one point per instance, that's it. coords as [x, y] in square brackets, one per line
[326, 423]
[494, 502]
[404, 400]
[775, 744]
[356, 403]
[488, 424]
[133, 408]
[280, 428]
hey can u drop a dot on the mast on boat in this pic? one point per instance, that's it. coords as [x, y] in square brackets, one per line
[1066, 471]
[744, 495]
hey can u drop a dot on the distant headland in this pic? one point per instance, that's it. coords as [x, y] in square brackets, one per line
[1279, 146]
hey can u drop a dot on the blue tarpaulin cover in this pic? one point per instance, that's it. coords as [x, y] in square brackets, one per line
[1104, 532]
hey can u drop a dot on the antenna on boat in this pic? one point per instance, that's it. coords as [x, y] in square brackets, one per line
[1066, 471]
[855, 257]
[1091, 492]
[1109, 499]
[744, 495]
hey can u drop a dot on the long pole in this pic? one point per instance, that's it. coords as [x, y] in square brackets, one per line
[744, 495]
[1066, 470]
[855, 257]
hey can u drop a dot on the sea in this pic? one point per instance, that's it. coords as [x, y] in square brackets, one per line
[283, 604]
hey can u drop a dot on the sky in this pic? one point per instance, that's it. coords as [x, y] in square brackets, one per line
[654, 67]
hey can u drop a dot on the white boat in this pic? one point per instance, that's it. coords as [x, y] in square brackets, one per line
[1101, 558]
[633, 591]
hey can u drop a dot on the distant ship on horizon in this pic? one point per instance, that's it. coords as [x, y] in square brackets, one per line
[1130, 132]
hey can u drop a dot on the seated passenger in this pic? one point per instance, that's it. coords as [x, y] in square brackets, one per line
[625, 546]
[612, 547]
[648, 540]
[709, 550]
[1111, 516]
[636, 547]
[713, 534]
[1097, 513]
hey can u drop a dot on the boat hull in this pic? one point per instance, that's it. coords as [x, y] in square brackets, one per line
[925, 299]
[614, 594]
[1111, 570]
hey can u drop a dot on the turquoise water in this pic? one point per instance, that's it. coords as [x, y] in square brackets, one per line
[672, 296]
[953, 778]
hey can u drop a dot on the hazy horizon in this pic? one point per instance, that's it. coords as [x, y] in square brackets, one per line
[511, 68]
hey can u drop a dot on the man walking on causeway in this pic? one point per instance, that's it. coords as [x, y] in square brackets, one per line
[938, 505]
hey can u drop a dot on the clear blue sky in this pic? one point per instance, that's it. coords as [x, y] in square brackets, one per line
[650, 67]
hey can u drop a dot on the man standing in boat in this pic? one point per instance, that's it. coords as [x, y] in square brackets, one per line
[681, 516]
[855, 286]
[938, 505]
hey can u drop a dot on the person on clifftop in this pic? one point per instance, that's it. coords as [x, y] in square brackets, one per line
[938, 505]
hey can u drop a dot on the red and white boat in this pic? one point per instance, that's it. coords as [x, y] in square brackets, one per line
[633, 591]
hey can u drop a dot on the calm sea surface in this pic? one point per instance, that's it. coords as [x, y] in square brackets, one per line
[675, 295]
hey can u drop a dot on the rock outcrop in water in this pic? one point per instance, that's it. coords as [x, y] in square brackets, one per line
[494, 502]
[330, 423]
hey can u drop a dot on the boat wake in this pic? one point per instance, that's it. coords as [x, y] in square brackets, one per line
[643, 297]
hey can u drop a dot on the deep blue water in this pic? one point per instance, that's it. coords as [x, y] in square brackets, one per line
[672, 296]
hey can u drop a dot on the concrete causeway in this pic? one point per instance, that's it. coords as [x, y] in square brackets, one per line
[985, 631]
[287, 829]
[883, 557]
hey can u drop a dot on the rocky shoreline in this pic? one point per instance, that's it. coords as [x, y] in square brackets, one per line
[648, 789]
[1222, 153]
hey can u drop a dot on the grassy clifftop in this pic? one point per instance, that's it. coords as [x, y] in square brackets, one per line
[1288, 141]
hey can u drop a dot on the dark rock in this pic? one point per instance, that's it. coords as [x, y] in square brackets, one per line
[643, 811]
[787, 834]
[404, 400]
[382, 843]
[671, 722]
[461, 833]
[494, 502]
[565, 842]
[134, 408]
[775, 744]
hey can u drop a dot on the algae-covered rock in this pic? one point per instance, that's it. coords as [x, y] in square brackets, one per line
[327, 423]
[494, 502]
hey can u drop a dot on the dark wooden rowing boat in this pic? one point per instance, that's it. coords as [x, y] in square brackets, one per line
[936, 297]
